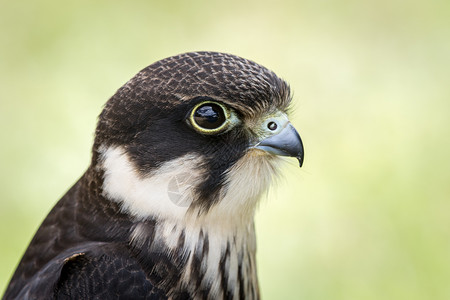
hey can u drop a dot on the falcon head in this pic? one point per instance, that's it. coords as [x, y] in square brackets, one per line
[195, 136]
[182, 154]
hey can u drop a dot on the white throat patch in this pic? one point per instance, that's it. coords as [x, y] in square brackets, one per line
[168, 192]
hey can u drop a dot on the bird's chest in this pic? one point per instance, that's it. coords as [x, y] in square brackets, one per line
[200, 262]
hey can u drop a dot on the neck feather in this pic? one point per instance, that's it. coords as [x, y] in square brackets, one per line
[215, 248]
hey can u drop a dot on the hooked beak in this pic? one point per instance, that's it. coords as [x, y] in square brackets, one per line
[285, 143]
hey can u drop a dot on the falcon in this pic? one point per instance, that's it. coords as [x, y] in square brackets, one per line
[182, 153]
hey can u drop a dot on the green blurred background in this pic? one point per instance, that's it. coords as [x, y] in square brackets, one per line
[367, 217]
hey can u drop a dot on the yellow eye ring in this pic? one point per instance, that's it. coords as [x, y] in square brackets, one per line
[209, 117]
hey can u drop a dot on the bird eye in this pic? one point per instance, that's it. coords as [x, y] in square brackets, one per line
[272, 126]
[209, 117]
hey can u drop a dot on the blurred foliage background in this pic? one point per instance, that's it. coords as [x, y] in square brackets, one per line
[367, 217]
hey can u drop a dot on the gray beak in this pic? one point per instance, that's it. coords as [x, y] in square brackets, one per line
[286, 143]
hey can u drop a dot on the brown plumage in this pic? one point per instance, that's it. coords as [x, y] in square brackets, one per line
[218, 121]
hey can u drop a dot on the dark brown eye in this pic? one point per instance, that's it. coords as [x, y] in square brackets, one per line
[272, 126]
[209, 116]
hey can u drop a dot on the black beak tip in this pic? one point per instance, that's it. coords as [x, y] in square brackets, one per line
[301, 153]
[300, 160]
